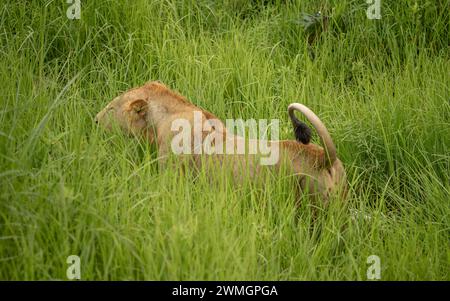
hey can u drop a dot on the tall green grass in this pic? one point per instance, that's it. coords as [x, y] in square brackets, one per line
[382, 87]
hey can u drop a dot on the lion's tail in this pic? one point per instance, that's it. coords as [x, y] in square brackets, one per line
[303, 133]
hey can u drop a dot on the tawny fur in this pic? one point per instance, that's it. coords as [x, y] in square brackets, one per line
[150, 109]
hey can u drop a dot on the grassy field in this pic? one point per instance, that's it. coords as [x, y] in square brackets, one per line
[382, 87]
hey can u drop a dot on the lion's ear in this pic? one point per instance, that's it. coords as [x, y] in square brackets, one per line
[140, 106]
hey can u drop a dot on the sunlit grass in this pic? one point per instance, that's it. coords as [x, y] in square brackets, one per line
[382, 87]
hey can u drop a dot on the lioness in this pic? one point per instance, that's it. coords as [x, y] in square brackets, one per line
[151, 110]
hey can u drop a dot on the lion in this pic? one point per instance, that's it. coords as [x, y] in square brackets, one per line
[151, 110]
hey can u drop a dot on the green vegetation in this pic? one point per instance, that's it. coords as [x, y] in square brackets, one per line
[382, 87]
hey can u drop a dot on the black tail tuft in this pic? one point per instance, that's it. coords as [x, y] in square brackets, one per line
[302, 132]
